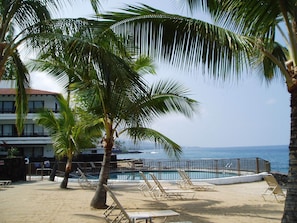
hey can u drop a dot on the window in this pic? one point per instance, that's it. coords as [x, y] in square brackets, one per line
[33, 130]
[7, 107]
[31, 106]
[56, 107]
[38, 105]
[35, 106]
[28, 130]
[33, 152]
[38, 130]
[7, 130]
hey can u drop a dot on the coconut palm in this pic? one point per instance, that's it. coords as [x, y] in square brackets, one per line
[71, 132]
[111, 89]
[20, 22]
[107, 85]
[99, 65]
[127, 109]
[242, 36]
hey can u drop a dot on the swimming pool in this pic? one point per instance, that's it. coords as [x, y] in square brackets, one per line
[167, 175]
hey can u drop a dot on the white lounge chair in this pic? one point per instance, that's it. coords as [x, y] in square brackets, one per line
[95, 168]
[5, 183]
[147, 187]
[84, 182]
[187, 183]
[273, 188]
[116, 213]
[86, 167]
[171, 193]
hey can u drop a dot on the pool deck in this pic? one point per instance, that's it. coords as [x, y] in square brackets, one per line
[44, 201]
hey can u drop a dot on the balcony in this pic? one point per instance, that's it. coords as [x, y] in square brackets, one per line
[44, 140]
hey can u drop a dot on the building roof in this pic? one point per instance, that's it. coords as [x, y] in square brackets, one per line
[29, 91]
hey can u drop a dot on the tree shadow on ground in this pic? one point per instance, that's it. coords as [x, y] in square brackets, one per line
[90, 216]
[209, 207]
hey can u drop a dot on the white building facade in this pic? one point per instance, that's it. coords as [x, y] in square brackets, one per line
[35, 141]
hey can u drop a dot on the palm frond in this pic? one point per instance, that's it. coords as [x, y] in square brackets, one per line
[144, 65]
[162, 98]
[71, 130]
[49, 120]
[185, 42]
[265, 62]
[262, 20]
[141, 134]
[21, 95]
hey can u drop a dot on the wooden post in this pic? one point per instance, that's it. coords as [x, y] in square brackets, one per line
[238, 167]
[267, 166]
[159, 165]
[216, 167]
[42, 166]
[257, 165]
[188, 164]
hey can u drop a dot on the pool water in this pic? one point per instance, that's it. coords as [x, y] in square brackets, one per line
[167, 175]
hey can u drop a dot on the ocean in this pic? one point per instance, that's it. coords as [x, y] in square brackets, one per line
[278, 156]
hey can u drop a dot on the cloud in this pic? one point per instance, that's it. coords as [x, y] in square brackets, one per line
[42, 81]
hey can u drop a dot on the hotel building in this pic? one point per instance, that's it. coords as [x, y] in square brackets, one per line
[35, 141]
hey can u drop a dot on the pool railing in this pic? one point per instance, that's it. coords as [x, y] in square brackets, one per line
[209, 167]
[237, 166]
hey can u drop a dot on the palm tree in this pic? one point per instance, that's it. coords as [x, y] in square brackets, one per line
[97, 63]
[20, 24]
[121, 99]
[242, 36]
[127, 109]
[71, 132]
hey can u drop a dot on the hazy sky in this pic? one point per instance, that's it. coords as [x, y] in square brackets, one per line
[246, 113]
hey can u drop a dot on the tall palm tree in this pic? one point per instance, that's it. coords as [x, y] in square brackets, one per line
[20, 22]
[99, 65]
[242, 36]
[71, 132]
[262, 22]
[127, 109]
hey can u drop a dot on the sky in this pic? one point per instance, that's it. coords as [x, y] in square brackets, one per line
[243, 113]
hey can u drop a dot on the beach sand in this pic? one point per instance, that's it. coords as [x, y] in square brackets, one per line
[43, 201]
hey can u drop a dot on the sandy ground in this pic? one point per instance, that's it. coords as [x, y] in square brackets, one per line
[43, 201]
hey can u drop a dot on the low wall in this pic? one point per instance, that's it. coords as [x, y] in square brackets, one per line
[13, 169]
[216, 181]
[235, 179]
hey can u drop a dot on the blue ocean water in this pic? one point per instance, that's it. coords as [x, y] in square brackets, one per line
[278, 156]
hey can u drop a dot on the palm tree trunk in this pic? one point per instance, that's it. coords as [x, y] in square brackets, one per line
[54, 170]
[290, 210]
[68, 168]
[99, 199]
